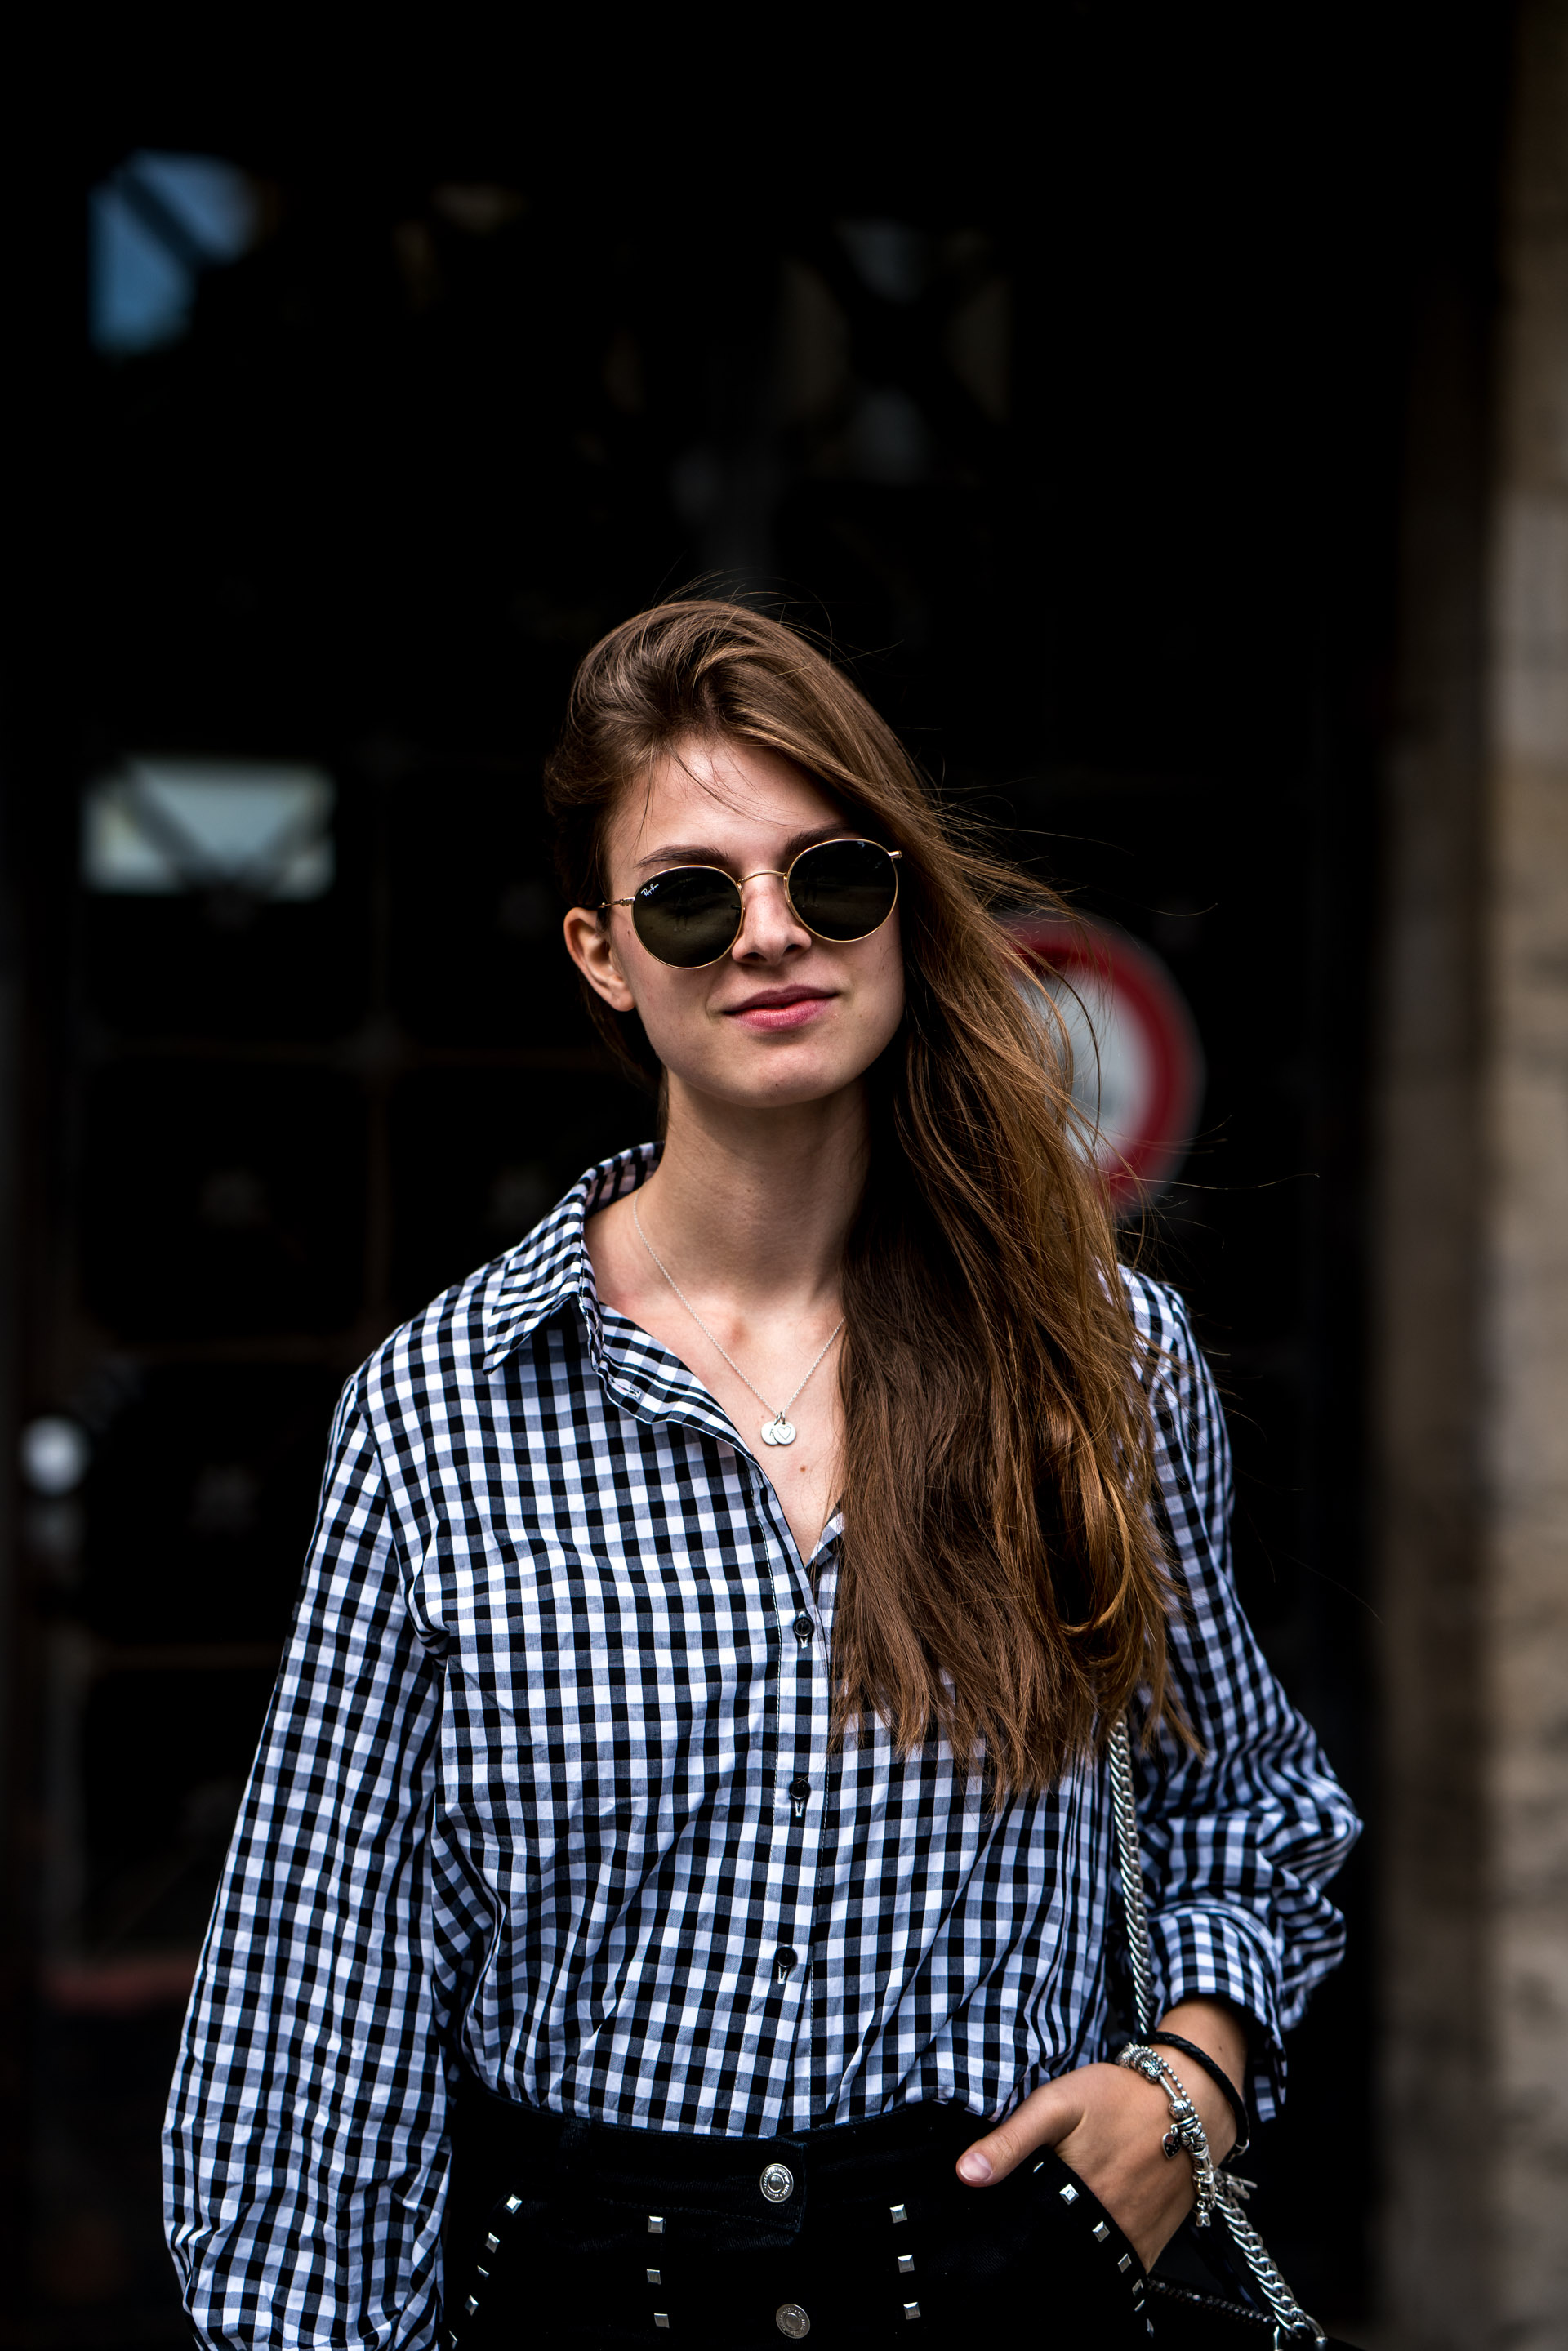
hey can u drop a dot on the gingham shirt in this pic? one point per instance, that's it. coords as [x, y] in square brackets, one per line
[546, 1780]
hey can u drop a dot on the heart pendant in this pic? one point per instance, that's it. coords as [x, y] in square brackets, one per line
[778, 1431]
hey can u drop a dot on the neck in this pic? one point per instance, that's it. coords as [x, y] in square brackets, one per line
[761, 1203]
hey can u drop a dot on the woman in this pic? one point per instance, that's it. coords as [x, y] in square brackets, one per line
[680, 1852]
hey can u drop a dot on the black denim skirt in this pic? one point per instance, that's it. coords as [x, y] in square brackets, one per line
[570, 2234]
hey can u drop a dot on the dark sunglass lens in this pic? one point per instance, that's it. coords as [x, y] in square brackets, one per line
[687, 917]
[845, 890]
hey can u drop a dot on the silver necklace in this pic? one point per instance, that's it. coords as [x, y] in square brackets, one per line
[777, 1430]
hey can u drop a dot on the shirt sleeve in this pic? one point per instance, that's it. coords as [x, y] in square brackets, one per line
[304, 2145]
[1240, 1838]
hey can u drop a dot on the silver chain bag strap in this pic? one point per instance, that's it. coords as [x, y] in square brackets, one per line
[1291, 2321]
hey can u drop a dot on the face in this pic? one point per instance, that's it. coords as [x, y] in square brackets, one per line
[783, 1018]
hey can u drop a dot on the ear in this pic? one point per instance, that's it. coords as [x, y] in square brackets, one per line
[590, 945]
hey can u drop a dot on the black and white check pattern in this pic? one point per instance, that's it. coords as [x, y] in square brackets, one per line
[547, 1779]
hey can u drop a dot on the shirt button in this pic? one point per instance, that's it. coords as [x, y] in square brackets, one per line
[800, 1794]
[791, 2320]
[777, 2183]
[785, 1962]
[804, 1629]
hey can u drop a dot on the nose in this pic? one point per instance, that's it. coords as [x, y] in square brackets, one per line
[769, 929]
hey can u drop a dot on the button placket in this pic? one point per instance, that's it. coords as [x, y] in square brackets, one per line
[796, 1737]
[811, 1807]
[813, 1800]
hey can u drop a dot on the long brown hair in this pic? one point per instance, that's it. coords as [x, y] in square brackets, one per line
[1002, 1576]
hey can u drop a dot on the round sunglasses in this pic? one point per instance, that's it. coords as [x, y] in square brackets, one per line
[839, 890]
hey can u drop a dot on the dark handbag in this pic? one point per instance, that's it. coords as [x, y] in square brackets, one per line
[1230, 2292]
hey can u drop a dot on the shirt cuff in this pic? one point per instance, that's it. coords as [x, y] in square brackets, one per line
[1206, 1950]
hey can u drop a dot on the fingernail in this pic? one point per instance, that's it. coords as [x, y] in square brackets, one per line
[975, 2166]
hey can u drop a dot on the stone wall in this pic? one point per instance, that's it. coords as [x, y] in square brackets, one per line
[1472, 1293]
[1525, 1242]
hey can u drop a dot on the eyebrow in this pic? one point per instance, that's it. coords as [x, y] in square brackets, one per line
[682, 853]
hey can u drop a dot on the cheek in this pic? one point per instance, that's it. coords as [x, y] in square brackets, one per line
[883, 990]
[667, 1008]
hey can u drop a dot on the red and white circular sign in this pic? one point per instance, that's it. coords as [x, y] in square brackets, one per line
[1137, 1064]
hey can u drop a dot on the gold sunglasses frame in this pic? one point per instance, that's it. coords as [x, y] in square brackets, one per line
[766, 873]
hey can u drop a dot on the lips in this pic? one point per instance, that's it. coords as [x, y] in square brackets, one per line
[772, 1000]
[781, 1008]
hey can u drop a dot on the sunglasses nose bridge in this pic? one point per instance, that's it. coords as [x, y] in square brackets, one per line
[749, 909]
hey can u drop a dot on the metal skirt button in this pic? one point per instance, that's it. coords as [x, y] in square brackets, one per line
[792, 2321]
[777, 2183]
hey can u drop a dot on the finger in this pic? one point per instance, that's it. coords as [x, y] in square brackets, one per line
[1046, 2116]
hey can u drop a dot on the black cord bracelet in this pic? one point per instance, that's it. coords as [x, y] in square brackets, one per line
[1220, 2079]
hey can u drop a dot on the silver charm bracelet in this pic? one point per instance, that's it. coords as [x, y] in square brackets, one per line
[1186, 2135]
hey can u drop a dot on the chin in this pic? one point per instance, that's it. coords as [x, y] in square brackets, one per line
[775, 1080]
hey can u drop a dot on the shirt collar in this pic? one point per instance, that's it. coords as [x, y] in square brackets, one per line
[550, 1269]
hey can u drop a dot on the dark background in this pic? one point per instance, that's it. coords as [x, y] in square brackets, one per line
[1062, 387]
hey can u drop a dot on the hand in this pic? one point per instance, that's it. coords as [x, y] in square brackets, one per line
[1109, 2124]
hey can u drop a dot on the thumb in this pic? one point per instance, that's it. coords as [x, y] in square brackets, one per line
[1046, 2116]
